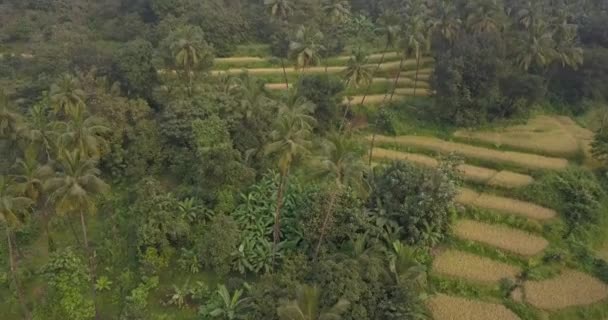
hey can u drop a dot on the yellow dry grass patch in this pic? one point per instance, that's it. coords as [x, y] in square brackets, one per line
[274, 71]
[505, 205]
[403, 82]
[542, 134]
[504, 179]
[420, 92]
[521, 159]
[387, 55]
[394, 65]
[468, 266]
[444, 307]
[239, 60]
[421, 72]
[570, 288]
[277, 86]
[502, 237]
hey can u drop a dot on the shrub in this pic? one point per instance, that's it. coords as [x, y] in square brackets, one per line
[218, 242]
[418, 199]
[326, 93]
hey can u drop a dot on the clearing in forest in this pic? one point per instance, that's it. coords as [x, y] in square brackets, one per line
[570, 288]
[502, 237]
[472, 267]
[506, 179]
[526, 160]
[559, 136]
[444, 307]
[504, 205]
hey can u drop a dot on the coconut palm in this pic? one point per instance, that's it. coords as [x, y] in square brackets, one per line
[403, 265]
[357, 72]
[485, 15]
[188, 50]
[536, 48]
[305, 48]
[12, 206]
[84, 134]
[290, 140]
[414, 44]
[339, 162]
[252, 95]
[41, 132]
[446, 22]
[72, 191]
[567, 53]
[10, 121]
[279, 9]
[67, 96]
[30, 177]
[337, 10]
[306, 306]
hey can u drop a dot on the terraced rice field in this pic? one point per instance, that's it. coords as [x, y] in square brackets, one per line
[506, 179]
[553, 135]
[472, 267]
[502, 237]
[571, 288]
[445, 307]
[525, 160]
[505, 205]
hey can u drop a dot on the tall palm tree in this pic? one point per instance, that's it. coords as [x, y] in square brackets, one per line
[340, 162]
[306, 307]
[41, 131]
[11, 205]
[10, 121]
[252, 95]
[356, 75]
[485, 15]
[67, 95]
[305, 48]
[84, 134]
[446, 22]
[337, 11]
[290, 140]
[30, 177]
[188, 49]
[72, 191]
[536, 47]
[414, 44]
[279, 9]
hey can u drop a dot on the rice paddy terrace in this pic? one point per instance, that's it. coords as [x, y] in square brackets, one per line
[485, 251]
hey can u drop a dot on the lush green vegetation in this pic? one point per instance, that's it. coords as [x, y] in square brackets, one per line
[142, 178]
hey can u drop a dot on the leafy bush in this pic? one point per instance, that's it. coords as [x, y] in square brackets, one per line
[418, 199]
[218, 242]
[326, 93]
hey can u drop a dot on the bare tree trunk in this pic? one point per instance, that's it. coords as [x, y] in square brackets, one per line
[13, 268]
[284, 73]
[416, 77]
[397, 78]
[328, 214]
[277, 216]
[91, 258]
[369, 86]
[371, 147]
[345, 110]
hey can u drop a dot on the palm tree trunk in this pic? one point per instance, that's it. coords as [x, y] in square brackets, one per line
[369, 86]
[91, 258]
[277, 215]
[416, 77]
[49, 239]
[328, 214]
[346, 109]
[73, 231]
[371, 147]
[284, 73]
[397, 78]
[13, 269]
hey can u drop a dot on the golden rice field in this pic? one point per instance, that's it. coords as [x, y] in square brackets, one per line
[502, 237]
[504, 205]
[444, 307]
[472, 267]
[570, 288]
[422, 72]
[559, 136]
[277, 86]
[371, 99]
[402, 82]
[492, 177]
[239, 60]
[420, 92]
[526, 160]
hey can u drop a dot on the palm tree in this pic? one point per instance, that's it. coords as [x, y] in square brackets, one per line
[446, 22]
[11, 205]
[306, 47]
[10, 122]
[252, 95]
[30, 177]
[336, 10]
[67, 95]
[536, 47]
[356, 74]
[72, 191]
[41, 132]
[341, 163]
[280, 9]
[290, 140]
[485, 15]
[84, 134]
[414, 44]
[188, 49]
[232, 307]
[306, 307]
[403, 265]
